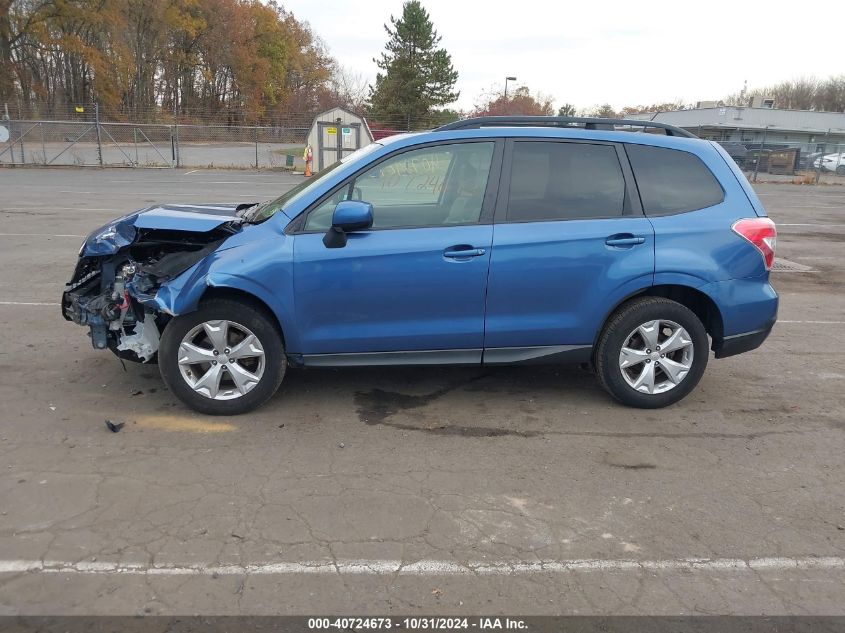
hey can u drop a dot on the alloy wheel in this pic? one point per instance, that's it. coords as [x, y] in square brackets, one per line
[221, 360]
[656, 356]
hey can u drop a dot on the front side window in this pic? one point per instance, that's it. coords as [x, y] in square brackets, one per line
[672, 181]
[564, 181]
[264, 211]
[431, 186]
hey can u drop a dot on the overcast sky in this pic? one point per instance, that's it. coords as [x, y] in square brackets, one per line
[631, 53]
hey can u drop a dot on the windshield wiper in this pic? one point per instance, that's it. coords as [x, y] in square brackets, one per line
[249, 210]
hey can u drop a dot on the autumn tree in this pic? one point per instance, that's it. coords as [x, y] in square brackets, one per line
[240, 60]
[59, 50]
[7, 68]
[567, 109]
[520, 103]
[417, 75]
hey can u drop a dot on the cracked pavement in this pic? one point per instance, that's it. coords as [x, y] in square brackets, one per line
[456, 465]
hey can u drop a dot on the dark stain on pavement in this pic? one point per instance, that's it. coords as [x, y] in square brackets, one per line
[374, 407]
[637, 466]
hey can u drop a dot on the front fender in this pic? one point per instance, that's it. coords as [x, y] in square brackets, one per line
[265, 273]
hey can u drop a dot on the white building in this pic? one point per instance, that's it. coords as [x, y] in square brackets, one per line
[747, 125]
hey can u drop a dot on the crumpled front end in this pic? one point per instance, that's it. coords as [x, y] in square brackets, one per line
[123, 265]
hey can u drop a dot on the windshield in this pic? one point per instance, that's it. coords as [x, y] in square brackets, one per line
[264, 211]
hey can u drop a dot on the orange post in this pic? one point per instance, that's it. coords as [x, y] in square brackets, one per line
[308, 157]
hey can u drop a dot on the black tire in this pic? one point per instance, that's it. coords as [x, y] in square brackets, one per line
[625, 320]
[840, 171]
[258, 322]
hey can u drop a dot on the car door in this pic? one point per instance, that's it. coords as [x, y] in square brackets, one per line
[411, 288]
[569, 243]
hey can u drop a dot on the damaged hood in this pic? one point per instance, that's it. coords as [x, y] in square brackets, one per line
[110, 238]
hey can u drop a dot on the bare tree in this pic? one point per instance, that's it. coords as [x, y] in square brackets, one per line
[654, 107]
[347, 88]
[831, 94]
[605, 111]
[803, 93]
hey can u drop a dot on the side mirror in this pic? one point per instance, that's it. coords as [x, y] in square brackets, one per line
[348, 216]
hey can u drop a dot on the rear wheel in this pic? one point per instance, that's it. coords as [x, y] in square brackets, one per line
[224, 359]
[840, 170]
[652, 353]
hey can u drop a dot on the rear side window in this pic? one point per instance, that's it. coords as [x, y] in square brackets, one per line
[672, 181]
[564, 181]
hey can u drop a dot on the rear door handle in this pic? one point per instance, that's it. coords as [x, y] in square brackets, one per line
[462, 251]
[624, 239]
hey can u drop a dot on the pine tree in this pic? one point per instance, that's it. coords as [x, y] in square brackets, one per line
[418, 75]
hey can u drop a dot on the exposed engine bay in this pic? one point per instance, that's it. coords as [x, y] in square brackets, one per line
[120, 269]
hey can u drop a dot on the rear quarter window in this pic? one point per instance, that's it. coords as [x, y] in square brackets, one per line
[672, 181]
[564, 181]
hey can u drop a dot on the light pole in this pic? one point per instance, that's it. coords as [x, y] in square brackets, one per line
[760, 155]
[507, 79]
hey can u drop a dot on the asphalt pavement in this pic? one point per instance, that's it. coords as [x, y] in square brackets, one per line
[411, 490]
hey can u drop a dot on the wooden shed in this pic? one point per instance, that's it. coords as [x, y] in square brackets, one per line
[336, 133]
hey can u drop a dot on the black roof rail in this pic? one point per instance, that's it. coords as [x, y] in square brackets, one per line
[589, 123]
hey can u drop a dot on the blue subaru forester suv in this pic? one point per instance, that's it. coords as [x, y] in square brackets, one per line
[487, 241]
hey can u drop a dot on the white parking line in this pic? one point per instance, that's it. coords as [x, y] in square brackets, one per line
[52, 208]
[779, 224]
[826, 194]
[380, 567]
[815, 322]
[197, 182]
[815, 206]
[39, 235]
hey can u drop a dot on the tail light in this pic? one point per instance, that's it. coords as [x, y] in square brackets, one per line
[761, 232]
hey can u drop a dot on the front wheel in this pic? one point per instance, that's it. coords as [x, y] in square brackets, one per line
[226, 358]
[840, 170]
[652, 353]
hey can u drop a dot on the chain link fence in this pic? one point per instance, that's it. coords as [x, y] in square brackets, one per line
[45, 134]
[151, 145]
[196, 145]
[799, 163]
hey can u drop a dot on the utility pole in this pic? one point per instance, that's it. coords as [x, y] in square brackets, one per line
[821, 156]
[6, 119]
[760, 154]
[97, 125]
[177, 158]
[507, 79]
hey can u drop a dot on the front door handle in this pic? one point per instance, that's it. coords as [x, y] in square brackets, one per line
[624, 239]
[463, 251]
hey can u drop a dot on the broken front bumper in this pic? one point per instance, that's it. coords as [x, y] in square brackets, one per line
[98, 297]
[123, 265]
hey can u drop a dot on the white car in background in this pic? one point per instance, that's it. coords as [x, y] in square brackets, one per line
[832, 162]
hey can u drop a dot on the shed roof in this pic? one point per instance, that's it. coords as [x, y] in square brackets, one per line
[349, 116]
